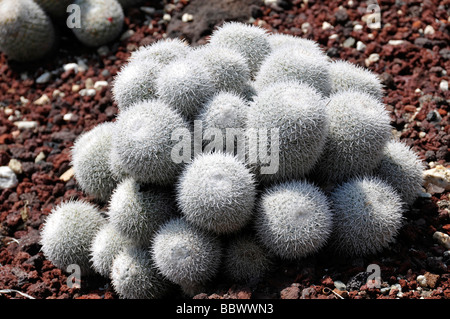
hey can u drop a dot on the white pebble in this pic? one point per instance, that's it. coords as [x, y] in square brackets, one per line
[326, 26]
[88, 92]
[305, 27]
[23, 125]
[44, 78]
[148, 10]
[187, 17]
[374, 57]
[422, 280]
[99, 84]
[8, 178]
[71, 66]
[443, 85]
[428, 30]
[360, 46]
[67, 117]
[357, 27]
[395, 42]
[442, 238]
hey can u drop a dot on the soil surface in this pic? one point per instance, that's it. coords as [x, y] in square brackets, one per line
[410, 51]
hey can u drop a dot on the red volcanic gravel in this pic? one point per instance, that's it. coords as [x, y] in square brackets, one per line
[410, 52]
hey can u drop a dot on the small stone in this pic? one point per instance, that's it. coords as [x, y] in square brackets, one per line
[23, 125]
[99, 84]
[395, 42]
[44, 78]
[428, 30]
[431, 279]
[373, 58]
[443, 85]
[67, 117]
[44, 99]
[103, 50]
[148, 10]
[67, 175]
[24, 100]
[75, 88]
[349, 42]
[127, 34]
[88, 92]
[326, 26]
[106, 73]
[71, 66]
[305, 27]
[422, 281]
[15, 166]
[357, 27]
[187, 17]
[438, 175]
[360, 46]
[442, 238]
[340, 285]
[58, 93]
[8, 178]
[292, 292]
[167, 17]
[40, 157]
[89, 83]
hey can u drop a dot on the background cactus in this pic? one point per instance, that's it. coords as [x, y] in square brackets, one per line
[186, 255]
[299, 114]
[216, 192]
[106, 245]
[368, 214]
[293, 219]
[101, 21]
[137, 212]
[134, 275]
[358, 130]
[91, 155]
[142, 142]
[402, 168]
[26, 32]
[56, 9]
[68, 232]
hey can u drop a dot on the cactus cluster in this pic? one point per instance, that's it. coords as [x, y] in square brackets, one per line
[318, 169]
[27, 27]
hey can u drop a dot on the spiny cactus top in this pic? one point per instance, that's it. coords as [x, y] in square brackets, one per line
[26, 32]
[101, 21]
[348, 76]
[294, 219]
[368, 214]
[403, 169]
[68, 233]
[216, 192]
[279, 40]
[252, 42]
[91, 161]
[298, 113]
[143, 142]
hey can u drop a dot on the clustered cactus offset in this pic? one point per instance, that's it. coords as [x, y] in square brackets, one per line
[340, 180]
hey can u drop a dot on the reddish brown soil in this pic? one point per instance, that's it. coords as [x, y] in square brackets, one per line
[411, 71]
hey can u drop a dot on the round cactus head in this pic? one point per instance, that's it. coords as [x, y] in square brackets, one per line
[137, 212]
[134, 275]
[216, 192]
[298, 113]
[290, 64]
[402, 168]
[186, 255]
[162, 51]
[26, 32]
[185, 85]
[280, 40]
[101, 21]
[348, 76]
[106, 245]
[68, 232]
[358, 130]
[294, 219]
[368, 214]
[251, 41]
[91, 161]
[228, 68]
[143, 142]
